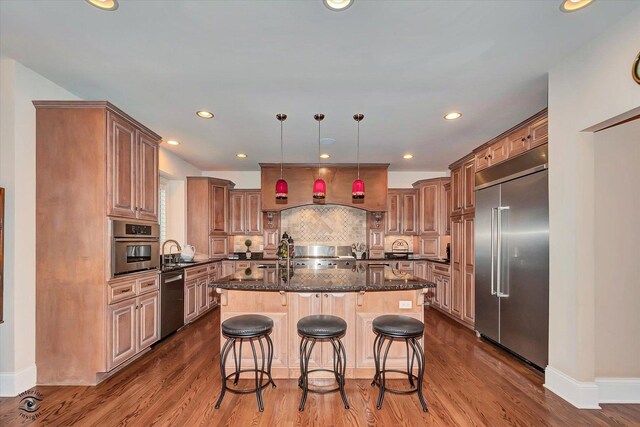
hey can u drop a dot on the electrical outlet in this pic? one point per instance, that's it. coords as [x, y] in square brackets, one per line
[406, 304]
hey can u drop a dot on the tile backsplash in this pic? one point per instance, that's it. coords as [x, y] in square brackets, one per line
[325, 225]
[256, 243]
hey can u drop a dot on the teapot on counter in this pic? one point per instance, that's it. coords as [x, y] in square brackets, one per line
[188, 252]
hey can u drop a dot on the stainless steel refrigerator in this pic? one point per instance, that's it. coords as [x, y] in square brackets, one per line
[512, 257]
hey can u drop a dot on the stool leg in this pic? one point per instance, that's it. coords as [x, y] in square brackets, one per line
[223, 356]
[238, 361]
[378, 352]
[263, 361]
[303, 351]
[270, 359]
[375, 359]
[409, 366]
[343, 362]
[258, 389]
[382, 374]
[416, 344]
[305, 375]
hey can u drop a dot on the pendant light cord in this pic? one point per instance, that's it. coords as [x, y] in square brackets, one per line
[281, 150]
[358, 150]
[318, 149]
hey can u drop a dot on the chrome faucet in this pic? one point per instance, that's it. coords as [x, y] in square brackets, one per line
[175, 243]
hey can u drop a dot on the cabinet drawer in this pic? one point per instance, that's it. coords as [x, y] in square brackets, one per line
[376, 254]
[441, 269]
[242, 265]
[405, 265]
[192, 272]
[120, 291]
[213, 268]
[148, 284]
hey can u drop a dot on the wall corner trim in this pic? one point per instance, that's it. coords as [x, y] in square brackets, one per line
[618, 390]
[582, 395]
[14, 383]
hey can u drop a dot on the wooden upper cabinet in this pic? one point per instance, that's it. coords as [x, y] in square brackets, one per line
[482, 159]
[468, 271]
[498, 152]
[121, 167]
[393, 218]
[518, 142]
[409, 213]
[539, 132]
[218, 210]
[446, 208]
[469, 182]
[429, 206]
[236, 212]
[245, 212]
[456, 190]
[132, 171]
[148, 176]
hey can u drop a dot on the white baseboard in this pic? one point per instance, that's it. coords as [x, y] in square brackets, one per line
[14, 383]
[583, 395]
[618, 390]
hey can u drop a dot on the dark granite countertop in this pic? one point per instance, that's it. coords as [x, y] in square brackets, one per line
[369, 279]
[199, 262]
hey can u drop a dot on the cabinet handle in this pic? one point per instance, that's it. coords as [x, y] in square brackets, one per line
[124, 291]
[317, 295]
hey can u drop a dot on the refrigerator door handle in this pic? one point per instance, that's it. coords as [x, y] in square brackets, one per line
[499, 250]
[493, 258]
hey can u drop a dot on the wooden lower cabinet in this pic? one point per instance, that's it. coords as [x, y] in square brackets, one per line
[468, 272]
[133, 325]
[190, 300]
[202, 297]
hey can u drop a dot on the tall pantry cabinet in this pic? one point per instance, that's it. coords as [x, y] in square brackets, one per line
[93, 163]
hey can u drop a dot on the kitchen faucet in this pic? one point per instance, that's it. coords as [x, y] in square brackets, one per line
[175, 243]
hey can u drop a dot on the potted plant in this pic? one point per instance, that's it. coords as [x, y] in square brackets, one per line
[247, 243]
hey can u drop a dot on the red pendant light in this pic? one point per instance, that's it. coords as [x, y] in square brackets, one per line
[319, 186]
[357, 188]
[282, 188]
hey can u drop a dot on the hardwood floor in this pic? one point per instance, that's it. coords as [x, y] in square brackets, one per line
[468, 382]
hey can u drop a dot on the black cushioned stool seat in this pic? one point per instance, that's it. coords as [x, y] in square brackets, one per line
[398, 326]
[322, 327]
[247, 325]
[392, 327]
[250, 328]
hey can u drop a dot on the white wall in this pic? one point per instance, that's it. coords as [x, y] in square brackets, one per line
[589, 87]
[18, 87]
[617, 251]
[251, 179]
[175, 171]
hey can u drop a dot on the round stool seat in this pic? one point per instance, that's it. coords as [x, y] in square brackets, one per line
[247, 325]
[398, 326]
[322, 326]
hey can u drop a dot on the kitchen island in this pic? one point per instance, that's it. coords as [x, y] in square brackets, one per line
[358, 295]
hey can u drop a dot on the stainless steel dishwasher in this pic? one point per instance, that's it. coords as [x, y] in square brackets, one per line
[171, 302]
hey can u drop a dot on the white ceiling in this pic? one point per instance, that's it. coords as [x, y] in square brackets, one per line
[403, 64]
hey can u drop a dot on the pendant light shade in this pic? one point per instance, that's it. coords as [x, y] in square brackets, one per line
[357, 188]
[319, 186]
[282, 188]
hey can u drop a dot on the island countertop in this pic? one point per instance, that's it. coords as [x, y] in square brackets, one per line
[357, 279]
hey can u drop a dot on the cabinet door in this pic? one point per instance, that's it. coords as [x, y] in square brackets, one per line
[190, 301]
[437, 301]
[121, 167]
[468, 277]
[218, 246]
[121, 332]
[202, 299]
[420, 269]
[236, 212]
[342, 305]
[301, 305]
[148, 175]
[498, 152]
[538, 133]
[228, 268]
[253, 213]
[445, 303]
[218, 209]
[482, 159]
[456, 190]
[457, 250]
[429, 215]
[517, 142]
[469, 183]
[148, 320]
[409, 213]
[271, 240]
[212, 295]
[445, 209]
[429, 246]
[376, 238]
[394, 216]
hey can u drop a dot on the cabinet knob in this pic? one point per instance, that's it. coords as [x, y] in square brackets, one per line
[528, 136]
[326, 295]
[523, 139]
[317, 295]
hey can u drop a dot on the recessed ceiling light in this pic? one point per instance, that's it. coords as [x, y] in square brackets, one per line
[204, 114]
[173, 142]
[573, 5]
[338, 4]
[104, 4]
[407, 156]
[324, 156]
[453, 115]
[241, 156]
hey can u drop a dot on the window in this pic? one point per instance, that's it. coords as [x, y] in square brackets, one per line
[162, 210]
